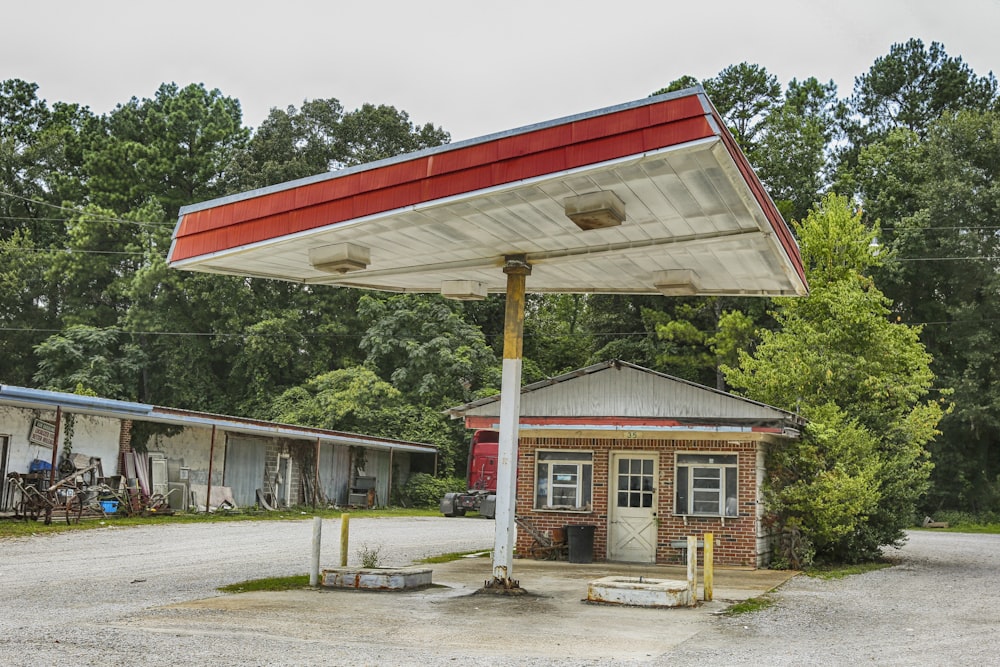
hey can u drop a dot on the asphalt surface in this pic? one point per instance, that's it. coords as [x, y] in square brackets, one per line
[148, 596]
[143, 594]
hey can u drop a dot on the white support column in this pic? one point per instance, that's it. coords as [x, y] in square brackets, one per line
[517, 269]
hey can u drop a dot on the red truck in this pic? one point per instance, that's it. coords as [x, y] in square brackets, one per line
[482, 475]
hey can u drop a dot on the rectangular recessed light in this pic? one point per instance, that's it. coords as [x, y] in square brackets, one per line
[595, 210]
[677, 282]
[339, 258]
[463, 290]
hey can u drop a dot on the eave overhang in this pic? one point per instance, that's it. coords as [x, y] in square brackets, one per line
[684, 213]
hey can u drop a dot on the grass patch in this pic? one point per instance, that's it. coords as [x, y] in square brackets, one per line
[750, 605]
[270, 584]
[841, 571]
[455, 555]
[982, 528]
[302, 580]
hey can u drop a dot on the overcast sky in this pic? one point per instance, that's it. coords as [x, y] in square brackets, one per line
[472, 68]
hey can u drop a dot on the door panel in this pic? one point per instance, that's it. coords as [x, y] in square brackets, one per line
[632, 530]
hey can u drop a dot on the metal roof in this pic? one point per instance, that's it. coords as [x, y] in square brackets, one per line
[634, 397]
[40, 399]
[696, 220]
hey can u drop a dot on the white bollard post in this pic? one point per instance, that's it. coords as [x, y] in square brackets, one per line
[317, 539]
[693, 568]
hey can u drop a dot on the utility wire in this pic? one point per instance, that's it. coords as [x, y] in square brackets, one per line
[76, 211]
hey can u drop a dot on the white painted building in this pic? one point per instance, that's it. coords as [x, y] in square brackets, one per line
[200, 451]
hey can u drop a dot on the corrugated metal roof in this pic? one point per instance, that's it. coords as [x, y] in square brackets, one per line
[630, 394]
[692, 205]
[105, 407]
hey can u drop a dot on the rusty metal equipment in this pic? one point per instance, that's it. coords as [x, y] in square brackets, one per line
[83, 492]
[545, 546]
[32, 503]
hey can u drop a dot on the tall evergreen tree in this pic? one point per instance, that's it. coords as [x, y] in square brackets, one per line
[852, 482]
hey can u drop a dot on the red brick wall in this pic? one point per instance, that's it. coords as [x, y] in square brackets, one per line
[735, 542]
[125, 436]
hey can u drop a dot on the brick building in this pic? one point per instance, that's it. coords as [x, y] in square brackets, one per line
[645, 458]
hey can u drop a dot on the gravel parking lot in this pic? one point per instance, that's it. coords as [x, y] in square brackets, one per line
[147, 596]
[940, 605]
[75, 598]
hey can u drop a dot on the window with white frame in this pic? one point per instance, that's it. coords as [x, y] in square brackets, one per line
[706, 484]
[563, 480]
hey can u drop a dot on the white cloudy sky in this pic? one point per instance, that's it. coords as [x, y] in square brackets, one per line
[473, 68]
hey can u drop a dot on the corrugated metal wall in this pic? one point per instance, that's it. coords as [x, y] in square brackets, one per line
[628, 392]
[245, 467]
[378, 467]
[334, 472]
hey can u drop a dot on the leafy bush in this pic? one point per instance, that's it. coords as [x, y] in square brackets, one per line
[424, 490]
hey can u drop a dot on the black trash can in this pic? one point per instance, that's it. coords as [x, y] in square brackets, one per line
[581, 543]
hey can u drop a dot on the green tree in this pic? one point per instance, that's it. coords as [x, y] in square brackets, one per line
[40, 157]
[908, 88]
[791, 155]
[82, 359]
[320, 136]
[556, 339]
[175, 147]
[939, 198]
[25, 315]
[913, 85]
[357, 401]
[424, 347]
[838, 360]
[290, 144]
[376, 132]
[744, 94]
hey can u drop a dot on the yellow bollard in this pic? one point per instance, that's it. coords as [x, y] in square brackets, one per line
[345, 529]
[709, 565]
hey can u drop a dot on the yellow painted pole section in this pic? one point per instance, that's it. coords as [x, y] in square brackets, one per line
[693, 568]
[513, 322]
[709, 566]
[345, 529]
[517, 270]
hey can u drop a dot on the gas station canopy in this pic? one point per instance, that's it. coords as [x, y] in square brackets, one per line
[647, 197]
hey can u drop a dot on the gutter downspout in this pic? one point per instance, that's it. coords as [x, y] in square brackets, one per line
[388, 500]
[315, 492]
[211, 459]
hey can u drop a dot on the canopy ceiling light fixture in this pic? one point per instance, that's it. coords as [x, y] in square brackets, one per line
[339, 258]
[595, 210]
[677, 282]
[463, 290]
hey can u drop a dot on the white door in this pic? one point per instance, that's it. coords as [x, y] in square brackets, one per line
[632, 530]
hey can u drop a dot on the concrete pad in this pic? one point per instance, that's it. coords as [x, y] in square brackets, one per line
[640, 592]
[377, 578]
[553, 622]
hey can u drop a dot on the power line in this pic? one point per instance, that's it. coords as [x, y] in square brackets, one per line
[936, 228]
[76, 211]
[77, 251]
[978, 258]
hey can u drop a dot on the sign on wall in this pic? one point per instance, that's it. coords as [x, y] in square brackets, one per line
[42, 433]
